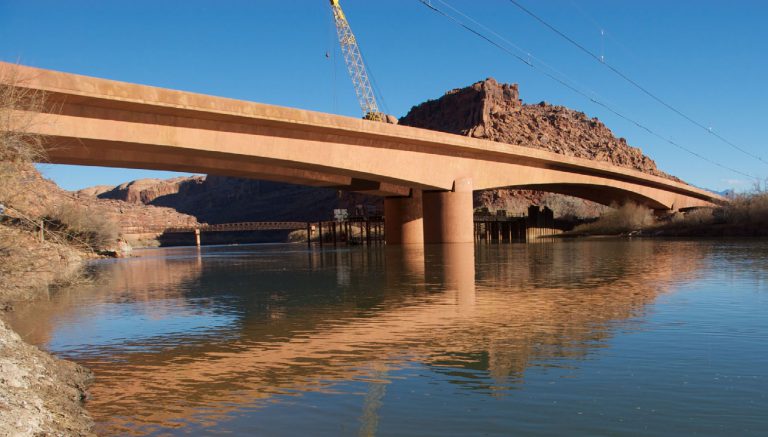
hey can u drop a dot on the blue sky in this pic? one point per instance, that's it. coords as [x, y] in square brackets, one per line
[705, 57]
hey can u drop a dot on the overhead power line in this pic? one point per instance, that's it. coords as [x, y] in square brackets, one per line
[634, 83]
[530, 59]
[565, 83]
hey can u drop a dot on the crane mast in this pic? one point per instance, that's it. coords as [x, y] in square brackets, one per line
[355, 65]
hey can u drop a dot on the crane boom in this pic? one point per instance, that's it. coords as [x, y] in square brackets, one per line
[355, 65]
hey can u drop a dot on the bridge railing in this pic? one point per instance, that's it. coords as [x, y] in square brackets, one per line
[222, 227]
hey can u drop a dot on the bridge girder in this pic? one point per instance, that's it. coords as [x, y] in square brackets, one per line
[100, 122]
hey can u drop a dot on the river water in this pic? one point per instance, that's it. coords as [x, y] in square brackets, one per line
[599, 337]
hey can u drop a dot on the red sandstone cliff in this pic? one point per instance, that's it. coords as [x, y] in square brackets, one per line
[217, 199]
[42, 196]
[493, 111]
[144, 190]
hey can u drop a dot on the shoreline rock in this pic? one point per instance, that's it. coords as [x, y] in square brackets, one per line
[39, 393]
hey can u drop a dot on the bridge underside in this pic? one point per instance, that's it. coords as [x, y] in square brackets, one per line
[99, 122]
[609, 196]
[126, 155]
[82, 151]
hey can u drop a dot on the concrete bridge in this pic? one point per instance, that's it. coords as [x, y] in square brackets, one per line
[427, 176]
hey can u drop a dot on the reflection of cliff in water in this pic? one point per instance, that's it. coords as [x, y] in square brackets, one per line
[303, 322]
[143, 280]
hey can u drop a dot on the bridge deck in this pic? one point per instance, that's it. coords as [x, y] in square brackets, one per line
[108, 123]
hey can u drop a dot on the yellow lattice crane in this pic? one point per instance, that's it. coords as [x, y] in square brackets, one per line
[356, 66]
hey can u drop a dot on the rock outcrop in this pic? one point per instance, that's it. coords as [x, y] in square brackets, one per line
[516, 202]
[40, 395]
[493, 111]
[147, 190]
[42, 196]
[95, 190]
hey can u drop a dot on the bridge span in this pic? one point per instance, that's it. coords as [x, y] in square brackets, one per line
[427, 176]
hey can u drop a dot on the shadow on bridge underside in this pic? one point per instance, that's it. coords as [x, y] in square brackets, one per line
[126, 155]
[605, 195]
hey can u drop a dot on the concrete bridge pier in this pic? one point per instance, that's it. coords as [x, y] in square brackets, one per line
[404, 223]
[448, 214]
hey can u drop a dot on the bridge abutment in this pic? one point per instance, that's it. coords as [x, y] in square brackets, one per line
[448, 214]
[404, 219]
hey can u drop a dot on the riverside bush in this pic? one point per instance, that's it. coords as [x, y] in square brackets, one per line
[624, 218]
[748, 208]
[79, 226]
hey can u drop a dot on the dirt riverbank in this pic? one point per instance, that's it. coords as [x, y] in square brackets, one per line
[39, 394]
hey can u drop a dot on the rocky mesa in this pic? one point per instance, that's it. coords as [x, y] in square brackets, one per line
[494, 111]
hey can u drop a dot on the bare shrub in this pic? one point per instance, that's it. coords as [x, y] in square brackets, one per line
[696, 217]
[28, 264]
[625, 218]
[80, 226]
[18, 147]
[18, 107]
[748, 208]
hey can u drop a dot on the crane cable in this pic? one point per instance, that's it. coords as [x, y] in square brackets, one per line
[330, 54]
[432, 7]
[634, 83]
[375, 86]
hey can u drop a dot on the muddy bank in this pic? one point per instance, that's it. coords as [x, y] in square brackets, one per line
[39, 394]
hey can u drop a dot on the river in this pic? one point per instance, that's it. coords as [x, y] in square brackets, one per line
[591, 337]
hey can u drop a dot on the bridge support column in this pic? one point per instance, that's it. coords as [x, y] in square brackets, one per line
[403, 219]
[448, 214]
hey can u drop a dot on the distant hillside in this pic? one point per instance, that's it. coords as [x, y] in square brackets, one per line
[216, 199]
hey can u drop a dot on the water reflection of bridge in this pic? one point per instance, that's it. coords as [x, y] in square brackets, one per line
[302, 322]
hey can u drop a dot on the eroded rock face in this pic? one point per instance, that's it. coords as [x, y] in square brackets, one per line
[218, 199]
[147, 190]
[94, 191]
[493, 111]
[465, 111]
[39, 394]
[516, 202]
[43, 196]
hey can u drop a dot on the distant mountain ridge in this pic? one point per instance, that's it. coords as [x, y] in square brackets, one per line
[217, 199]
